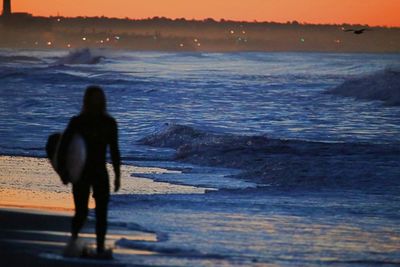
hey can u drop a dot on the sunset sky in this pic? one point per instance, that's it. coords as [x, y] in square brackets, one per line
[372, 12]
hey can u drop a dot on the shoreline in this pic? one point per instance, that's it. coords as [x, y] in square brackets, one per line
[37, 238]
[154, 34]
[30, 182]
[277, 51]
[36, 211]
[23, 249]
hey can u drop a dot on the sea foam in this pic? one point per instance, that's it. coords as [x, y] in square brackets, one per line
[298, 163]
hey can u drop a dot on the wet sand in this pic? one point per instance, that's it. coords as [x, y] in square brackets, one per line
[37, 238]
[36, 210]
[28, 182]
[25, 237]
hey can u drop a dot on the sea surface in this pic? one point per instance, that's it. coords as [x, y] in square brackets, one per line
[298, 154]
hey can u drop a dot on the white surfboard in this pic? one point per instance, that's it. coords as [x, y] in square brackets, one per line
[76, 158]
[75, 155]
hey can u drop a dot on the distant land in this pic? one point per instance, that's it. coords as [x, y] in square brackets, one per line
[22, 30]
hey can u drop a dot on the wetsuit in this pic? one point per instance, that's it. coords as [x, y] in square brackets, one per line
[99, 132]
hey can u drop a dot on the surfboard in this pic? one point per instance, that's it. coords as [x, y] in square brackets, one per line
[75, 157]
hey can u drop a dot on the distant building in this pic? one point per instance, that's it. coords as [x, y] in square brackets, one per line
[6, 8]
[7, 13]
[16, 19]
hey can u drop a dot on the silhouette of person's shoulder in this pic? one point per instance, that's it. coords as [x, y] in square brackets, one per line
[82, 119]
[74, 122]
[110, 120]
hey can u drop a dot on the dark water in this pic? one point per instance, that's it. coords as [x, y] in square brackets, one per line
[319, 173]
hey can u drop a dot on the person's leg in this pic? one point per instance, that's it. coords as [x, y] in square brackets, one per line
[81, 193]
[101, 222]
[101, 195]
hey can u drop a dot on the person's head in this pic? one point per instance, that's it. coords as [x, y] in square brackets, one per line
[94, 101]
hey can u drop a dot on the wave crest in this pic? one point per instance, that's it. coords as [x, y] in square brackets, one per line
[285, 162]
[18, 58]
[80, 56]
[382, 85]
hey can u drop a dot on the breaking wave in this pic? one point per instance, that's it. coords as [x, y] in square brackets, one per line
[285, 162]
[383, 85]
[80, 56]
[19, 59]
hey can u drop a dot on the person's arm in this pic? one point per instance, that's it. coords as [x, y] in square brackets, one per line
[115, 156]
[62, 149]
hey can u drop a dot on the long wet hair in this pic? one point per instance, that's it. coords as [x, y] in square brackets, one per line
[94, 101]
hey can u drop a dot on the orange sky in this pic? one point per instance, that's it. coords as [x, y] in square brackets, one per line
[372, 12]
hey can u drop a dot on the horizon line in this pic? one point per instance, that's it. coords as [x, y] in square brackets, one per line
[221, 20]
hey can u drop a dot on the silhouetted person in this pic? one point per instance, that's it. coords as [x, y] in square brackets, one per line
[99, 130]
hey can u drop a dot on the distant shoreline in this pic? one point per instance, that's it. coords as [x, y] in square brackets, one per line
[162, 34]
[172, 51]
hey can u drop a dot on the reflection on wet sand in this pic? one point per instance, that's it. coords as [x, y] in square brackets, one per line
[47, 192]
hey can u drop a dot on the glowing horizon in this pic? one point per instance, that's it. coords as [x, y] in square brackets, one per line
[371, 12]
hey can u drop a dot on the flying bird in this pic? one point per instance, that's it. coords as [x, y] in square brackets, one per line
[360, 31]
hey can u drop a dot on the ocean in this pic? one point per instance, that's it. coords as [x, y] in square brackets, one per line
[298, 153]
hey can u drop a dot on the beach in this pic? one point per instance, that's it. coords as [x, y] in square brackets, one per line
[229, 159]
[36, 238]
[35, 222]
[209, 133]
[36, 232]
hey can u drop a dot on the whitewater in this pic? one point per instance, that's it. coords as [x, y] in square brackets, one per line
[298, 153]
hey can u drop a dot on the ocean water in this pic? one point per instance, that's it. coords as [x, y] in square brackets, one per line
[303, 169]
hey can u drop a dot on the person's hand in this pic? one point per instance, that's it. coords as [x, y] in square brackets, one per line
[117, 185]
